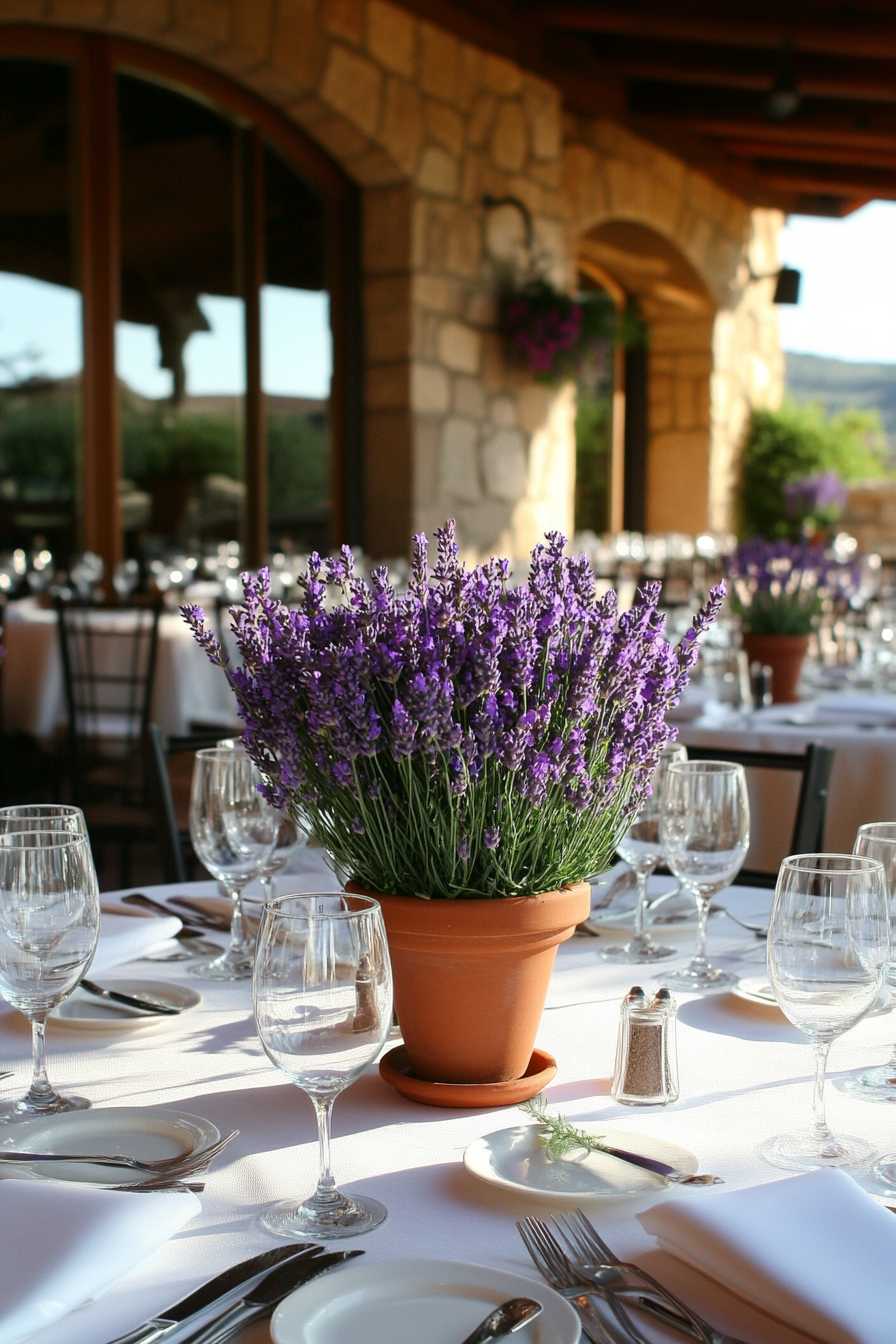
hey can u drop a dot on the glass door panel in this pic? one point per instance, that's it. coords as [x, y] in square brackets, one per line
[180, 344]
[296, 364]
[40, 320]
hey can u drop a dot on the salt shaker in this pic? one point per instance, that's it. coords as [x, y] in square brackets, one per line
[646, 1072]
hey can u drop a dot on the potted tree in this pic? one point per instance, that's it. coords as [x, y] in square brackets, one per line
[778, 589]
[469, 752]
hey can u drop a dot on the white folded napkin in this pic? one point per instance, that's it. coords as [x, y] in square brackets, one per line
[126, 938]
[813, 1250]
[856, 709]
[62, 1244]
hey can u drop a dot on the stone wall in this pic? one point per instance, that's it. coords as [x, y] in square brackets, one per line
[427, 124]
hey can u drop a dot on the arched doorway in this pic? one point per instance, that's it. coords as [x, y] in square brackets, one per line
[181, 354]
[660, 440]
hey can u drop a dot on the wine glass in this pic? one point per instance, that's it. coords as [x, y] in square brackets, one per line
[705, 835]
[291, 835]
[43, 817]
[640, 848]
[877, 840]
[49, 925]
[322, 991]
[828, 951]
[233, 831]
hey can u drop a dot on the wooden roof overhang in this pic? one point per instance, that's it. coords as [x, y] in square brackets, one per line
[695, 77]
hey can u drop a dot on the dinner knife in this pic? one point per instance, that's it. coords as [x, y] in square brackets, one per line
[218, 1287]
[128, 1000]
[265, 1296]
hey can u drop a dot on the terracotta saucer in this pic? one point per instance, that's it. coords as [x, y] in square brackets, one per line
[395, 1069]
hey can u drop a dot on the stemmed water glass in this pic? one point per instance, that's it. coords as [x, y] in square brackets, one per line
[322, 990]
[877, 840]
[641, 849]
[828, 950]
[234, 832]
[49, 925]
[43, 817]
[705, 835]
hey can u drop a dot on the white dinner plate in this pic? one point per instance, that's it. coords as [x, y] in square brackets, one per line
[85, 1012]
[515, 1159]
[113, 1131]
[756, 989]
[407, 1301]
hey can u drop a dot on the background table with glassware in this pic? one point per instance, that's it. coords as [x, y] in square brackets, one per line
[187, 687]
[744, 1073]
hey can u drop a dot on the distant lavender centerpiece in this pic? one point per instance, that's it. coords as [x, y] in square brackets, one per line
[816, 502]
[465, 738]
[778, 587]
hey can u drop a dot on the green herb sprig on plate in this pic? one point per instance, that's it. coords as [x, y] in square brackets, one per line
[562, 1138]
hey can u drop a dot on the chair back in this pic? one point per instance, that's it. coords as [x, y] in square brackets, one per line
[814, 765]
[109, 665]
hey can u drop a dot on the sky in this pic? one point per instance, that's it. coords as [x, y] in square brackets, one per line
[40, 324]
[847, 307]
[847, 310]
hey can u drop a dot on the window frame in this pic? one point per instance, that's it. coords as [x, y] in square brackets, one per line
[97, 59]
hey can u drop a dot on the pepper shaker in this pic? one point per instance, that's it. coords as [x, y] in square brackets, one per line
[646, 1072]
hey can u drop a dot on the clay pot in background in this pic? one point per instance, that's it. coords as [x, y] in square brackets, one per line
[784, 654]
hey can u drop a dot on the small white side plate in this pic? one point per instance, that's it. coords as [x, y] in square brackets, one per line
[113, 1131]
[756, 989]
[407, 1301]
[85, 1012]
[515, 1159]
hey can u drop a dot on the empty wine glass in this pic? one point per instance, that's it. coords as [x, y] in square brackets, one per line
[877, 840]
[322, 990]
[828, 950]
[43, 817]
[292, 835]
[705, 835]
[49, 924]
[640, 848]
[233, 831]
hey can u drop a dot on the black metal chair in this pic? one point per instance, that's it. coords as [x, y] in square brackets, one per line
[109, 664]
[168, 772]
[814, 765]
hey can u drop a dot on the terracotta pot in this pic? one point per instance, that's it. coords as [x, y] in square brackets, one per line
[784, 654]
[471, 978]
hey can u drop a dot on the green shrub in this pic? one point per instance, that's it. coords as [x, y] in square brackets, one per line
[795, 442]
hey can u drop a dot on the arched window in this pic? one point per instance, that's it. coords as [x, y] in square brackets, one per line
[179, 310]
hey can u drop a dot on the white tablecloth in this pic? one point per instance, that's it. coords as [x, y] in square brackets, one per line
[745, 1074]
[187, 686]
[863, 780]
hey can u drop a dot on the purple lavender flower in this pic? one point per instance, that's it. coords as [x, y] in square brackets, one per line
[778, 587]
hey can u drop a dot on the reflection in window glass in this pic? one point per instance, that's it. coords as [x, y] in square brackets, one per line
[297, 364]
[180, 346]
[40, 312]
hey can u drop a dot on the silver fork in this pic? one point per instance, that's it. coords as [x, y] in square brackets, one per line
[162, 1166]
[594, 1260]
[602, 1321]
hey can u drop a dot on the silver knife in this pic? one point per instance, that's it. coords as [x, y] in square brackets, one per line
[265, 1296]
[505, 1320]
[218, 1287]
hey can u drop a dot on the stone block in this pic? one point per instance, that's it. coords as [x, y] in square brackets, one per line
[353, 85]
[386, 230]
[426, 336]
[438, 172]
[543, 113]
[583, 184]
[297, 48]
[426, 440]
[501, 76]
[503, 412]
[249, 37]
[494, 362]
[341, 138]
[469, 80]
[469, 398]
[402, 129]
[694, 365]
[504, 465]
[459, 347]
[510, 137]
[392, 38]
[548, 174]
[387, 313]
[130, 17]
[481, 118]
[444, 125]
[481, 307]
[678, 481]
[436, 293]
[660, 414]
[685, 408]
[706, 197]
[459, 474]
[439, 62]
[472, 165]
[505, 235]
[343, 19]
[430, 388]
[375, 168]
[534, 403]
[628, 189]
[484, 529]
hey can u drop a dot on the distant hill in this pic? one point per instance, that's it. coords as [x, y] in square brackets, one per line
[838, 385]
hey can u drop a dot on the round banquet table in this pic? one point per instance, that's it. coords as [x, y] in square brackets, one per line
[744, 1072]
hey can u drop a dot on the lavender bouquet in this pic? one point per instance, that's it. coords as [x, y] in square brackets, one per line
[778, 587]
[466, 738]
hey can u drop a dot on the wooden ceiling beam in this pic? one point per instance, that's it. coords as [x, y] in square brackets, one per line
[762, 149]
[837, 179]
[857, 35]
